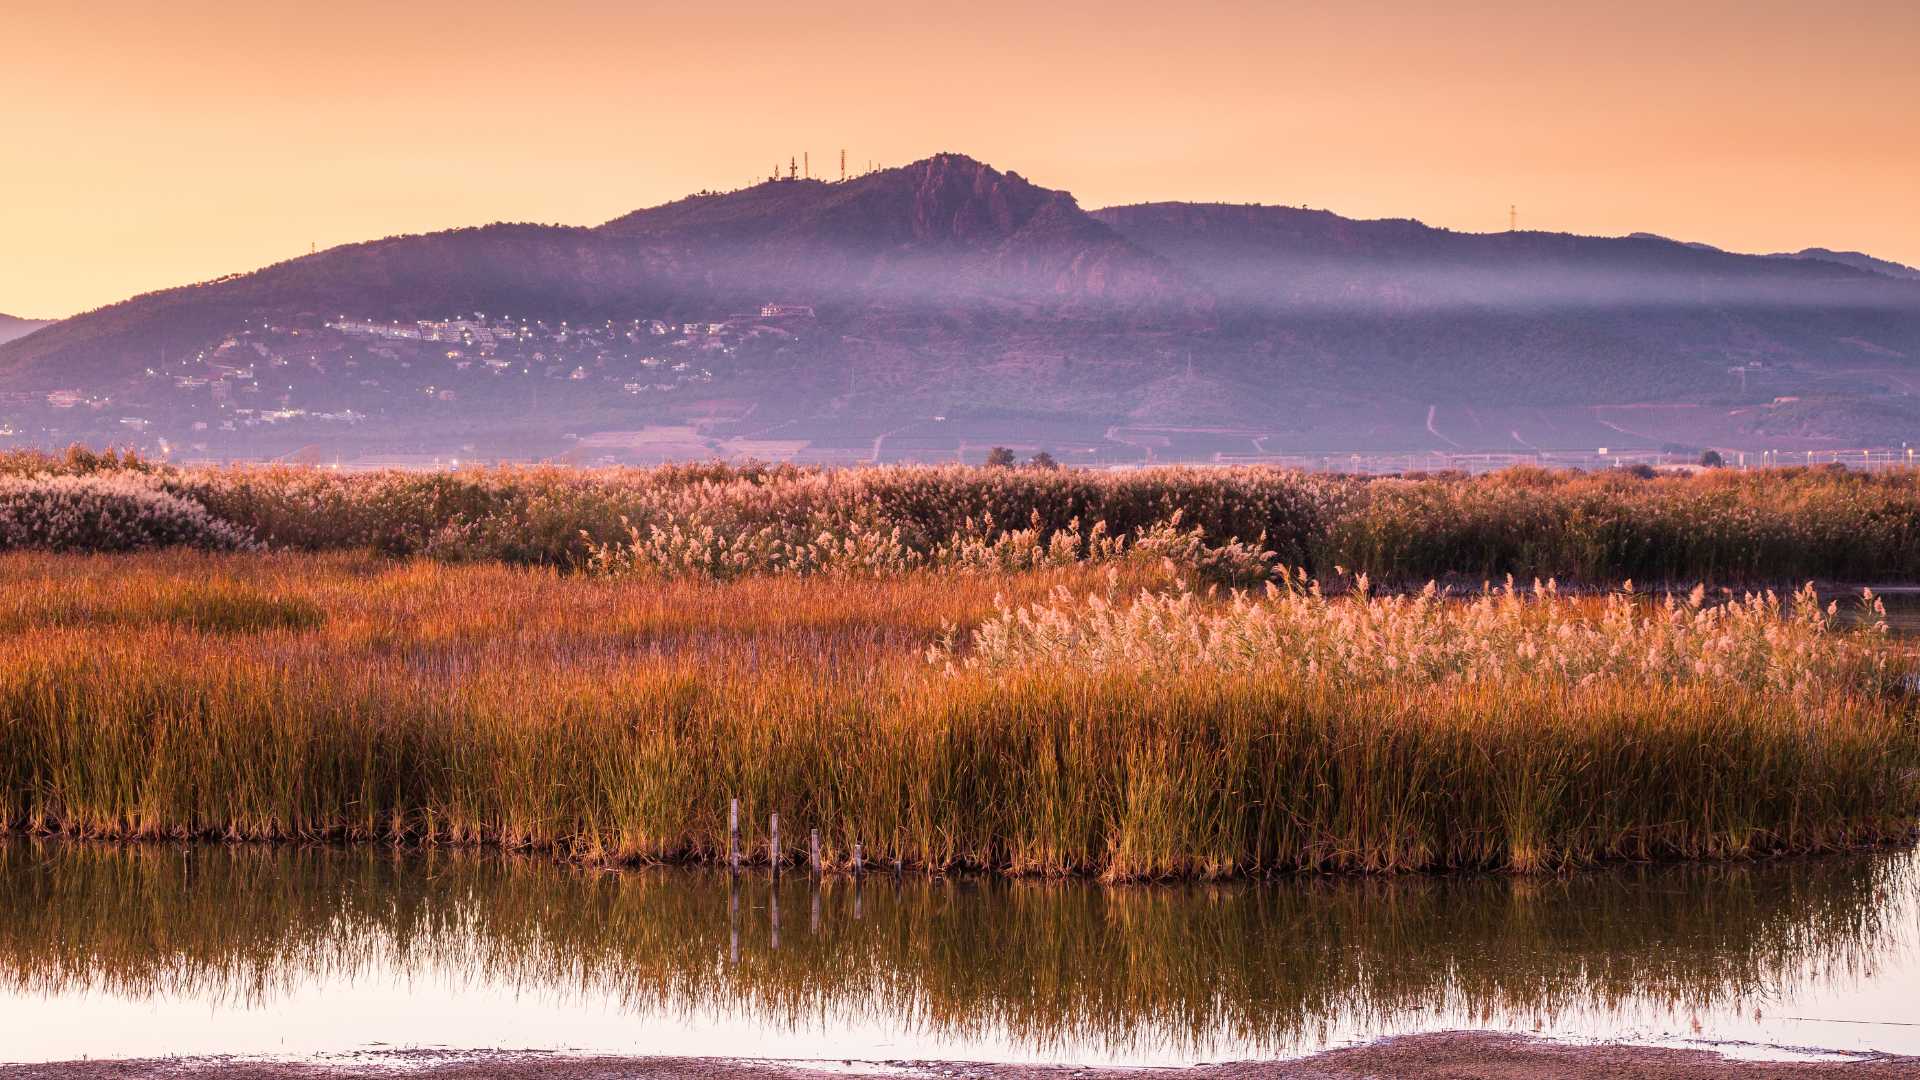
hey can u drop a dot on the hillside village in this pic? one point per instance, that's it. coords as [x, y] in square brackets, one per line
[321, 376]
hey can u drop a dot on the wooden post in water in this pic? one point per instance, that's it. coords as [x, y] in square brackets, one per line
[773, 843]
[773, 915]
[859, 859]
[733, 836]
[813, 845]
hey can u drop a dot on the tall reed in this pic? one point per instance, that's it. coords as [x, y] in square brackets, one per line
[612, 719]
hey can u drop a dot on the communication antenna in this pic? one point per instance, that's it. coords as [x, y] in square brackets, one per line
[1513, 218]
[807, 160]
[843, 164]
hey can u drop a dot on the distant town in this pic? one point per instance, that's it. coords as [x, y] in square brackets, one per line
[332, 374]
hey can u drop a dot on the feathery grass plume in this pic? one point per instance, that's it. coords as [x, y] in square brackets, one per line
[106, 511]
[1294, 630]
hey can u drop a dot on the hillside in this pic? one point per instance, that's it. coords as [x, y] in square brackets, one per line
[934, 309]
[1859, 260]
[12, 326]
[1529, 317]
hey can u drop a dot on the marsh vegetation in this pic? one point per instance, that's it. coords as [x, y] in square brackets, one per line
[1776, 527]
[1070, 718]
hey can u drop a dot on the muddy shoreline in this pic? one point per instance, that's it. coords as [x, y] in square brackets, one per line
[1444, 1056]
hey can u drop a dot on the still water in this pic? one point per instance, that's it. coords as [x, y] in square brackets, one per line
[150, 950]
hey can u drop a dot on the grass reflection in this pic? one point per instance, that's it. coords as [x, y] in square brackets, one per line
[1052, 964]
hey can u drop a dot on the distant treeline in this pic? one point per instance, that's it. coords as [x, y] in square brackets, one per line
[1719, 526]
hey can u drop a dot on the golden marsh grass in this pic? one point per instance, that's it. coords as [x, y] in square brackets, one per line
[284, 696]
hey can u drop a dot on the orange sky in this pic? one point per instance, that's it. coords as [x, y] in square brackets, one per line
[145, 145]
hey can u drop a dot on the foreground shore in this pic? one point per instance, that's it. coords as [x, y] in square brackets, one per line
[1450, 1055]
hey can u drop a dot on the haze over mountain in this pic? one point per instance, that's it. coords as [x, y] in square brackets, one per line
[12, 326]
[1859, 260]
[933, 309]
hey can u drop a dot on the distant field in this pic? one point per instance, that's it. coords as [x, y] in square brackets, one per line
[1233, 526]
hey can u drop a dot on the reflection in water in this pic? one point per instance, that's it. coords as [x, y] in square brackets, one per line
[1056, 968]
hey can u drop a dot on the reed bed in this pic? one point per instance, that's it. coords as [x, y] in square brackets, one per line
[1775, 527]
[612, 718]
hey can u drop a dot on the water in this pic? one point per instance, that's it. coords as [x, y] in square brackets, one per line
[1903, 609]
[142, 951]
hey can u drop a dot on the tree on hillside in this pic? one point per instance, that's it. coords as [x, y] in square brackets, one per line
[1712, 460]
[1042, 460]
[1000, 458]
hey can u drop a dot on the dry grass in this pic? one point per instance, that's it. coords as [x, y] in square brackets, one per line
[1774, 527]
[611, 718]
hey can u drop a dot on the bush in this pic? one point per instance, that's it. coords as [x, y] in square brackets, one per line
[106, 512]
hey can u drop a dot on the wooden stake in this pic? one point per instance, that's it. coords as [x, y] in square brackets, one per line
[813, 844]
[733, 836]
[859, 859]
[773, 844]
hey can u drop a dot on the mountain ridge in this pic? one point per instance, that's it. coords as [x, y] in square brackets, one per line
[950, 288]
[878, 231]
[13, 326]
[1859, 260]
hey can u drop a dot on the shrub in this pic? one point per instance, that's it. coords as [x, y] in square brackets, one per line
[107, 512]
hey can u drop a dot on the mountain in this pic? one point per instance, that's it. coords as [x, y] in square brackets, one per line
[1519, 318]
[934, 309]
[12, 327]
[1694, 244]
[1859, 260]
[942, 229]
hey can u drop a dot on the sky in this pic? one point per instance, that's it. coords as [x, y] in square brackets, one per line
[147, 145]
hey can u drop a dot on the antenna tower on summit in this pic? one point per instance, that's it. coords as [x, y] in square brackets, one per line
[1513, 218]
[843, 165]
